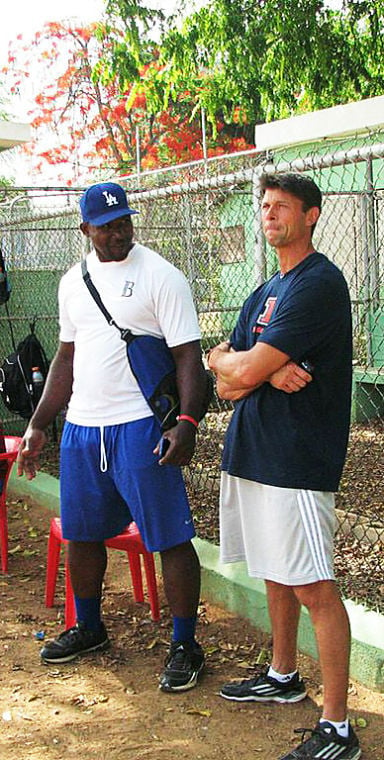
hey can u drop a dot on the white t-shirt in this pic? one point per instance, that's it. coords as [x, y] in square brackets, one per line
[145, 293]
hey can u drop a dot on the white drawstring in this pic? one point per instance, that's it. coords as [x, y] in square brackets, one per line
[103, 453]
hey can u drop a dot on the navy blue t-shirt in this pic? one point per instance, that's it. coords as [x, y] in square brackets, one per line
[296, 440]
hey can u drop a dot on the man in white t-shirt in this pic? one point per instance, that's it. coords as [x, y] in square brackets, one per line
[111, 468]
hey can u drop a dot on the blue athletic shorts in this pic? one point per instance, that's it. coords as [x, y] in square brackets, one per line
[109, 476]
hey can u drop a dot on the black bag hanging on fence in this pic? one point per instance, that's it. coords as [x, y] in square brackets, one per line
[5, 287]
[153, 366]
[19, 392]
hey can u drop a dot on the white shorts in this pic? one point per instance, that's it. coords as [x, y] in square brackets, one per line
[284, 534]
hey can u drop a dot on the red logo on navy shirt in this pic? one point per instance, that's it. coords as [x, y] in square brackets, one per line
[265, 317]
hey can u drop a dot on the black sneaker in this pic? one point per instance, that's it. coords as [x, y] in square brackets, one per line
[263, 688]
[183, 666]
[325, 742]
[73, 642]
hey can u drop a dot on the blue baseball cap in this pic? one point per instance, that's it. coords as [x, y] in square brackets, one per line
[104, 202]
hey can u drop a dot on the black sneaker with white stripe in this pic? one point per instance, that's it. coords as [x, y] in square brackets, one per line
[263, 688]
[325, 743]
[183, 666]
[74, 642]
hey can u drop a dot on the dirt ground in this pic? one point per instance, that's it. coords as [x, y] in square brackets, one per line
[108, 706]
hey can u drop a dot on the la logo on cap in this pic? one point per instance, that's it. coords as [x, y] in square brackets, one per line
[110, 199]
[103, 203]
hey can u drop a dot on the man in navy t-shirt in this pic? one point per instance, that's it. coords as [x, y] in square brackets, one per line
[288, 369]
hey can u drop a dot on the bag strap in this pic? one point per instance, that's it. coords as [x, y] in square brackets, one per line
[125, 333]
[4, 271]
[11, 328]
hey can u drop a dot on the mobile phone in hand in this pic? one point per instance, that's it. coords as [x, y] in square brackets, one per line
[163, 446]
[307, 366]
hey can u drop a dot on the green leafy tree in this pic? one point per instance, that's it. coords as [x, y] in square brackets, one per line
[128, 27]
[253, 62]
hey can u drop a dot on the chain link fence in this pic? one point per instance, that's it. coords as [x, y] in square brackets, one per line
[204, 217]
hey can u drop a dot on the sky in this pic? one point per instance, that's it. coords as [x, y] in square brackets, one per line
[26, 17]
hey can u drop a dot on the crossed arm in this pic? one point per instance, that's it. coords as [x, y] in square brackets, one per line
[238, 373]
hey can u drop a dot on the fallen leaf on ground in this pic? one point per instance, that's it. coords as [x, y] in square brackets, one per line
[196, 711]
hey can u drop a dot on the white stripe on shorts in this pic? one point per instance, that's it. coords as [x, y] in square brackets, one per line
[310, 518]
[284, 534]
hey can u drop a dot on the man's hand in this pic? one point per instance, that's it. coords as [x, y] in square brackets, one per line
[290, 378]
[213, 353]
[30, 448]
[182, 441]
[224, 390]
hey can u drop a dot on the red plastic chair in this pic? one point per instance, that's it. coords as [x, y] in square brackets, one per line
[129, 541]
[12, 444]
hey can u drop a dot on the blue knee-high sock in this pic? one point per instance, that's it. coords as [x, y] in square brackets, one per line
[88, 612]
[184, 628]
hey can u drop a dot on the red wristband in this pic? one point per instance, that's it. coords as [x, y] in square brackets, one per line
[187, 418]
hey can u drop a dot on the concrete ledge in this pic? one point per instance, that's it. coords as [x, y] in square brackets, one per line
[43, 489]
[230, 587]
